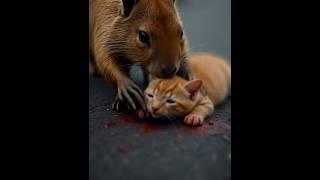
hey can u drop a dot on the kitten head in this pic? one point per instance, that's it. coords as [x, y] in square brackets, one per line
[171, 97]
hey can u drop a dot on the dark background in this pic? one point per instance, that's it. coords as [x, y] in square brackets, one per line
[122, 147]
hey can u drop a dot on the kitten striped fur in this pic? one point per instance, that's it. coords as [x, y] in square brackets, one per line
[177, 97]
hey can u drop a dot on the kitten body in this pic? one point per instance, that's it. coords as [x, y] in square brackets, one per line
[195, 99]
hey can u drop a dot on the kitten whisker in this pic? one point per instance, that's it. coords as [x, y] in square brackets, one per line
[172, 120]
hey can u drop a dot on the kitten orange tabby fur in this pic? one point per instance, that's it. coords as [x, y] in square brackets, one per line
[176, 97]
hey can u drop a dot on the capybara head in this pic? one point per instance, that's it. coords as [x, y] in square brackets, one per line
[151, 34]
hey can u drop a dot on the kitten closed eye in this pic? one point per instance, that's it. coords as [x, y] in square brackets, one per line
[170, 101]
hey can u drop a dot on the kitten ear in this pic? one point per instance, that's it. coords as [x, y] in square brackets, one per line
[127, 7]
[193, 87]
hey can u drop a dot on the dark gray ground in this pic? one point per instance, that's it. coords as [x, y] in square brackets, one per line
[122, 147]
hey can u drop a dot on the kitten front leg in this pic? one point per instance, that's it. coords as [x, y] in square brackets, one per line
[194, 119]
[199, 113]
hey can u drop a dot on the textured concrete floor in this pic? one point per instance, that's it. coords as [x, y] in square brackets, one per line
[122, 147]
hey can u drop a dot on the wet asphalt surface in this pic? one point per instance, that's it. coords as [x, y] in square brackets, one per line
[123, 147]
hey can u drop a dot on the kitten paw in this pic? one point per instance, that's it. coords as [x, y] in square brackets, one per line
[193, 120]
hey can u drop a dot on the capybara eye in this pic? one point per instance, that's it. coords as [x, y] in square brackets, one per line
[144, 37]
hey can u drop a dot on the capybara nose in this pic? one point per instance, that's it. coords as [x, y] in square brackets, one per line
[168, 71]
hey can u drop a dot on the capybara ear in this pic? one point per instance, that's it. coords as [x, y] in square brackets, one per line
[127, 7]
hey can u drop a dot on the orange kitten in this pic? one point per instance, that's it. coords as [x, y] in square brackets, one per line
[176, 97]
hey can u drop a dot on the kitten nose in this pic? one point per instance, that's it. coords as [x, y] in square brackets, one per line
[155, 109]
[168, 71]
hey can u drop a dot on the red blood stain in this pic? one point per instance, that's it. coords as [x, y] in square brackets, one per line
[130, 120]
[153, 127]
[219, 127]
[149, 127]
[109, 125]
[123, 149]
